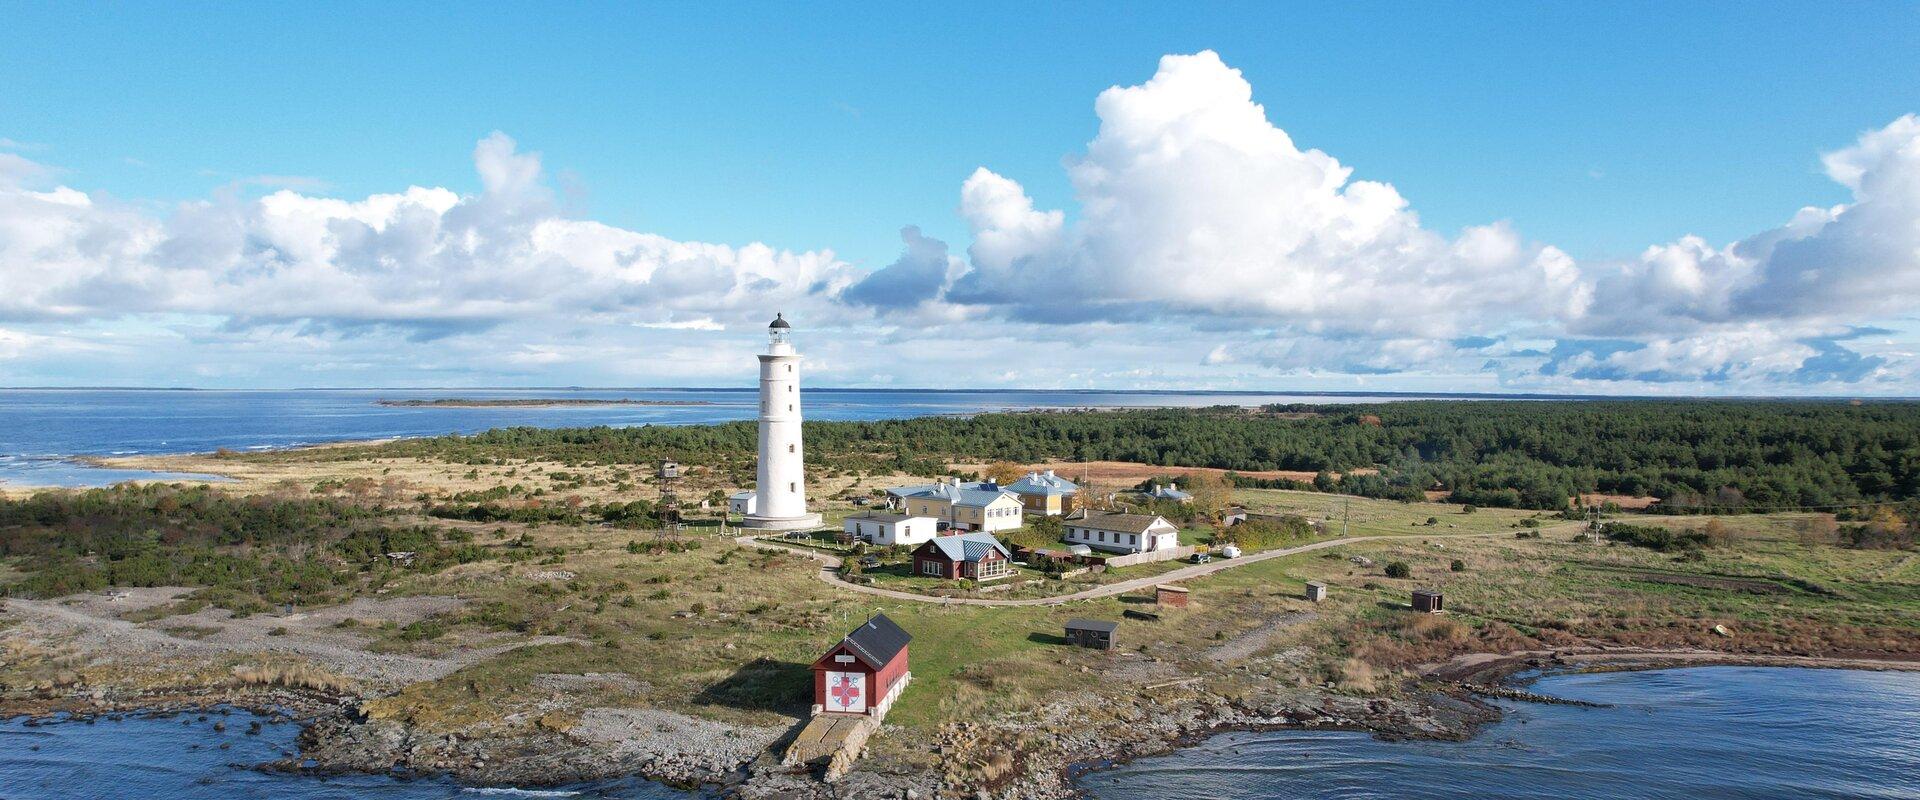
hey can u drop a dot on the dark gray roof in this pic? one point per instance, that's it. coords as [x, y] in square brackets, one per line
[1092, 625]
[969, 546]
[780, 321]
[878, 640]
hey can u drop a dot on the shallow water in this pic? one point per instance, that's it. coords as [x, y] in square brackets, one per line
[41, 428]
[1709, 732]
[181, 758]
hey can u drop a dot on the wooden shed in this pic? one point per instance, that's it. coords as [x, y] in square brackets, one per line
[1316, 591]
[1428, 601]
[1170, 596]
[864, 672]
[1096, 634]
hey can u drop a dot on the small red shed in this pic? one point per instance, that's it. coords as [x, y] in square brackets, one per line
[864, 672]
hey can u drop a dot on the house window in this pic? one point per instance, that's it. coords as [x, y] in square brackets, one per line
[789, 387]
[991, 569]
[1103, 536]
[1133, 539]
[930, 567]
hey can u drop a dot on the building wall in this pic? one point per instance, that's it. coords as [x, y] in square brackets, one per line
[1000, 515]
[782, 480]
[946, 568]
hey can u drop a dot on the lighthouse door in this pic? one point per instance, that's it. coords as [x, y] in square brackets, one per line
[846, 692]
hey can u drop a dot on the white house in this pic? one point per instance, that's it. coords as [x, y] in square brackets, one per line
[1122, 533]
[983, 506]
[742, 503]
[891, 529]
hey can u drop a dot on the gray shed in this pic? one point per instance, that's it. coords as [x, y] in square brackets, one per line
[1428, 601]
[1316, 591]
[1093, 633]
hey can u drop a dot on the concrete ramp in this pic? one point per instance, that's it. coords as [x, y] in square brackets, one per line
[830, 741]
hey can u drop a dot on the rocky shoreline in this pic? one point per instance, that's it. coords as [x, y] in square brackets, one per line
[1036, 756]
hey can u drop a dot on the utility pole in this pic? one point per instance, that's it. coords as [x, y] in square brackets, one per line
[1346, 506]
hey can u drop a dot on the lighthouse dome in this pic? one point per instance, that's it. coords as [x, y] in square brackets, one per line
[779, 321]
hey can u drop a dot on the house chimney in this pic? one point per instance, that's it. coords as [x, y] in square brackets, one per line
[1049, 473]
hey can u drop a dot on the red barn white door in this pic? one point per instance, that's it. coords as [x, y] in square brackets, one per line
[846, 692]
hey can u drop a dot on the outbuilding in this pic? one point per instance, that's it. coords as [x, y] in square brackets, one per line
[1316, 591]
[1428, 601]
[865, 672]
[1095, 634]
[1170, 596]
[885, 529]
[742, 503]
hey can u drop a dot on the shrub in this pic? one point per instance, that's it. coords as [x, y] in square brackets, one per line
[1655, 538]
[1458, 565]
[1399, 569]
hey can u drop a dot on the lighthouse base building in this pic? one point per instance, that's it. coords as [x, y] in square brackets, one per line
[779, 501]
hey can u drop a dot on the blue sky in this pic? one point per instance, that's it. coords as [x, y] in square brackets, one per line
[1590, 134]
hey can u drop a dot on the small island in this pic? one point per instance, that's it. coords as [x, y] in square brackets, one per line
[533, 402]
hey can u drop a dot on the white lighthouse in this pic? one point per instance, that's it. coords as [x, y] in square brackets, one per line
[780, 502]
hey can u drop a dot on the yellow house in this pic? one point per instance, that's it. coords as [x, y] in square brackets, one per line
[1045, 493]
[969, 506]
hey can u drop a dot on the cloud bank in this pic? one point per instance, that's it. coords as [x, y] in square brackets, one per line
[1205, 247]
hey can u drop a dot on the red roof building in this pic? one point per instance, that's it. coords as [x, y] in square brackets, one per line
[865, 672]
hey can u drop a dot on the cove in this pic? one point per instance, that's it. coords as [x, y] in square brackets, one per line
[1704, 732]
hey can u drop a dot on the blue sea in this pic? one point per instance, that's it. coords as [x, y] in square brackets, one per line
[1687, 734]
[41, 430]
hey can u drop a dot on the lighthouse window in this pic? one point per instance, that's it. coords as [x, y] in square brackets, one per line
[789, 387]
[793, 487]
[789, 367]
[789, 406]
[789, 448]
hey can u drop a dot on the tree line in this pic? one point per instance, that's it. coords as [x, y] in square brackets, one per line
[1694, 455]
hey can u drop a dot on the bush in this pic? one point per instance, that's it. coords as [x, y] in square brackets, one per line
[1399, 569]
[1654, 537]
[1458, 565]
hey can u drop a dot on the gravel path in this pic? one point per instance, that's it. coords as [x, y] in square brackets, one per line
[96, 632]
[830, 566]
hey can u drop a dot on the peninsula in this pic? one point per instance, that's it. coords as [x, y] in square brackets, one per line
[533, 606]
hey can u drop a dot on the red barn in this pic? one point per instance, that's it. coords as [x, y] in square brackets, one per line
[972, 556]
[864, 672]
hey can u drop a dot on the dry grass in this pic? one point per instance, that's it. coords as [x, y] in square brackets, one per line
[293, 676]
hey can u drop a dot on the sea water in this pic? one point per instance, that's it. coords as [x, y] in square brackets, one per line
[183, 757]
[41, 430]
[1685, 734]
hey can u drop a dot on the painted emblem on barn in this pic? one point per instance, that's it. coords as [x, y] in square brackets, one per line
[847, 692]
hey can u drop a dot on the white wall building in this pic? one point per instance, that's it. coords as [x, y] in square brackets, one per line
[1122, 533]
[891, 529]
[741, 503]
[781, 495]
